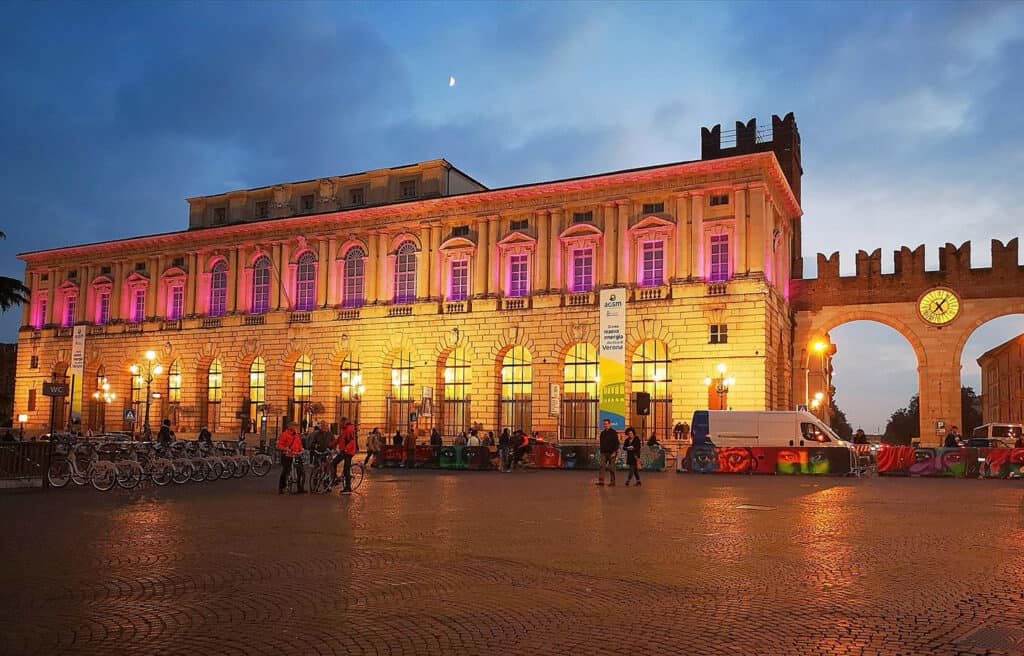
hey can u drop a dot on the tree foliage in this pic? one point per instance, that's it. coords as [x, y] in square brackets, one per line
[905, 423]
[839, 423]
[12, 292]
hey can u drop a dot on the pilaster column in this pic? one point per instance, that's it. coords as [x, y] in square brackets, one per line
[152, 264]
[555, 263]
[84, 293]
[323, 265]
[276, 277]
[51, 297]
[193, 278]
[480, 258]
[436, 289]
[333, 272]
[682, 212]
[697, 235]
[494, 263]
[233, 278]
[759, 230]
[740, 256]
[32, 282]
[117, 277]
[610, 256]
[370, 269]
[625, 268]
[423, 266]
[383, 280]
[284, 268]
[540, 270]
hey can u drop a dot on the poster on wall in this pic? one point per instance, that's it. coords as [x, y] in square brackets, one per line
[611, 384]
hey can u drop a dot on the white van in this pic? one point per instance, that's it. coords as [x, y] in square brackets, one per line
[1005, 432]
[757, 428]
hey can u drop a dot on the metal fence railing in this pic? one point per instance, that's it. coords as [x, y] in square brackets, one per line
[24, 460]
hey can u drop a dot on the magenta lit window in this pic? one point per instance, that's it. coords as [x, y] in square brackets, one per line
[355, 277]
[305, 282]
[719, 258]
[405, 274]
[582, 270]
[177, 302]
[459, 281]
[519, 275]
[218, 289]
[103, 311]
[138, 305]
[41, 316]
[70, 306]
[261, 285]
[652, 263]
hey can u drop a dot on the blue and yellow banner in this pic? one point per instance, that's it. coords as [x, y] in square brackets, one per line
[612, 372]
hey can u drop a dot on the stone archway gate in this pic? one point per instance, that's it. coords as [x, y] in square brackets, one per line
[823, 303]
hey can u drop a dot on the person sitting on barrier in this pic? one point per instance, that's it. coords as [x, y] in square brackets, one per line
[1019, 444]
[489, 440]
[397, 439]
[952, 439]
[165, 437]
[473, 440]
[205, 435]
[435, 437]
[290, 446]
[653, 441]
[461, 439]
[522, 440]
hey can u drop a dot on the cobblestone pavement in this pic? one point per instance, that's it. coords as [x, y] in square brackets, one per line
[528, 563]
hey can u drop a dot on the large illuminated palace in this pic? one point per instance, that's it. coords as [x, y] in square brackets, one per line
[360, 295]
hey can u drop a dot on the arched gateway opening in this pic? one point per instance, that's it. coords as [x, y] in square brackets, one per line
[992, 368]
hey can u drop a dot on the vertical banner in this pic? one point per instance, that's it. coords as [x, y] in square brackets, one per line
[611, 387]
[78, 371]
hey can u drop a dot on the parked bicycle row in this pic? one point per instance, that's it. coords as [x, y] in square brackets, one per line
[127, 464]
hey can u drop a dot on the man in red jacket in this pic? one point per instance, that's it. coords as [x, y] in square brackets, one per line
[290, 445]
[346, 449]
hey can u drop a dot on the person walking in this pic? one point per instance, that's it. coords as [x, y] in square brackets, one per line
[290, 446]
[632, 446]
[371, 445]
[609, 449]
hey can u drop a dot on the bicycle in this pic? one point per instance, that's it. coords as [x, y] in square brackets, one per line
[298, 470]
[507, 462]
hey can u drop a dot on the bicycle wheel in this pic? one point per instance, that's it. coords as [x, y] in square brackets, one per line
[316, 481]
[80, 477]
[357, 471]
[129, 473]
[228, 467]
[103, 476]
[200, 468]
[261, 464]
[161, 471]
[241, 466]
[214, 470]
[182, 471]
[59, 473]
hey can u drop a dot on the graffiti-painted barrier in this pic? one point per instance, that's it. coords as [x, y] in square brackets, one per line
[764, 460]
[392, 455]
[950, 462]
[427, 456]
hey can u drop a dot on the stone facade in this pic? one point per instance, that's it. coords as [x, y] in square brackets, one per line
[1002, 383]
[723, 229]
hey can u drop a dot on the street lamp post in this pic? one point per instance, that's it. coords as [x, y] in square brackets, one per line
[152, 370]
[21, 420]
[722, 384]
[105, 396]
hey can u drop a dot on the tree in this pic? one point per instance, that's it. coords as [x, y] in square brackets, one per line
[12, 292]
[904, 424]
[839, 423]
[970, 411]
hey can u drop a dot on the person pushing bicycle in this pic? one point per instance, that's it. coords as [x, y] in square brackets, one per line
[290, 445]
[346, 450]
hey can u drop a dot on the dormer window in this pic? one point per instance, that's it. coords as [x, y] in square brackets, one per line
[262, 209]
[460, 231]
[307, 202]
[220, 215]
[519, 225]
[356, 197]
[654, 208]
[582, 217]
[140, 266]
[407, 189]
[718, 199]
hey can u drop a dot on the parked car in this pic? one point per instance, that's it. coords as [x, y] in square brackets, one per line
[987, 443]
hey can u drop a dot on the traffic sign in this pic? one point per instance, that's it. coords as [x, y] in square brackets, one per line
[129, 415]
[55, 389]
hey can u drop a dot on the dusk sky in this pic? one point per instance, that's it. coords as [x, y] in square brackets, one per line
[113, 114]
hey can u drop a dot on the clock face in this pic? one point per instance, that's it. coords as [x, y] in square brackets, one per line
[939, 306]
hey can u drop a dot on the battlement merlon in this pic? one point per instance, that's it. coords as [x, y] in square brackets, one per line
[1005, 277]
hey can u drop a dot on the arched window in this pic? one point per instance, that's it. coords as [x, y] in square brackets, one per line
[138, 395]
[305, 282]
[579, 392]
[214, 395]
[517, 389]
[101, 397]
[650, 374]
[354, 278]
[457, 376]
[351, 389]
[174, 391]
[218, 289]
[261, 285]
[399, 400]
[302, 389]
[405, 274]
[257, 389]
